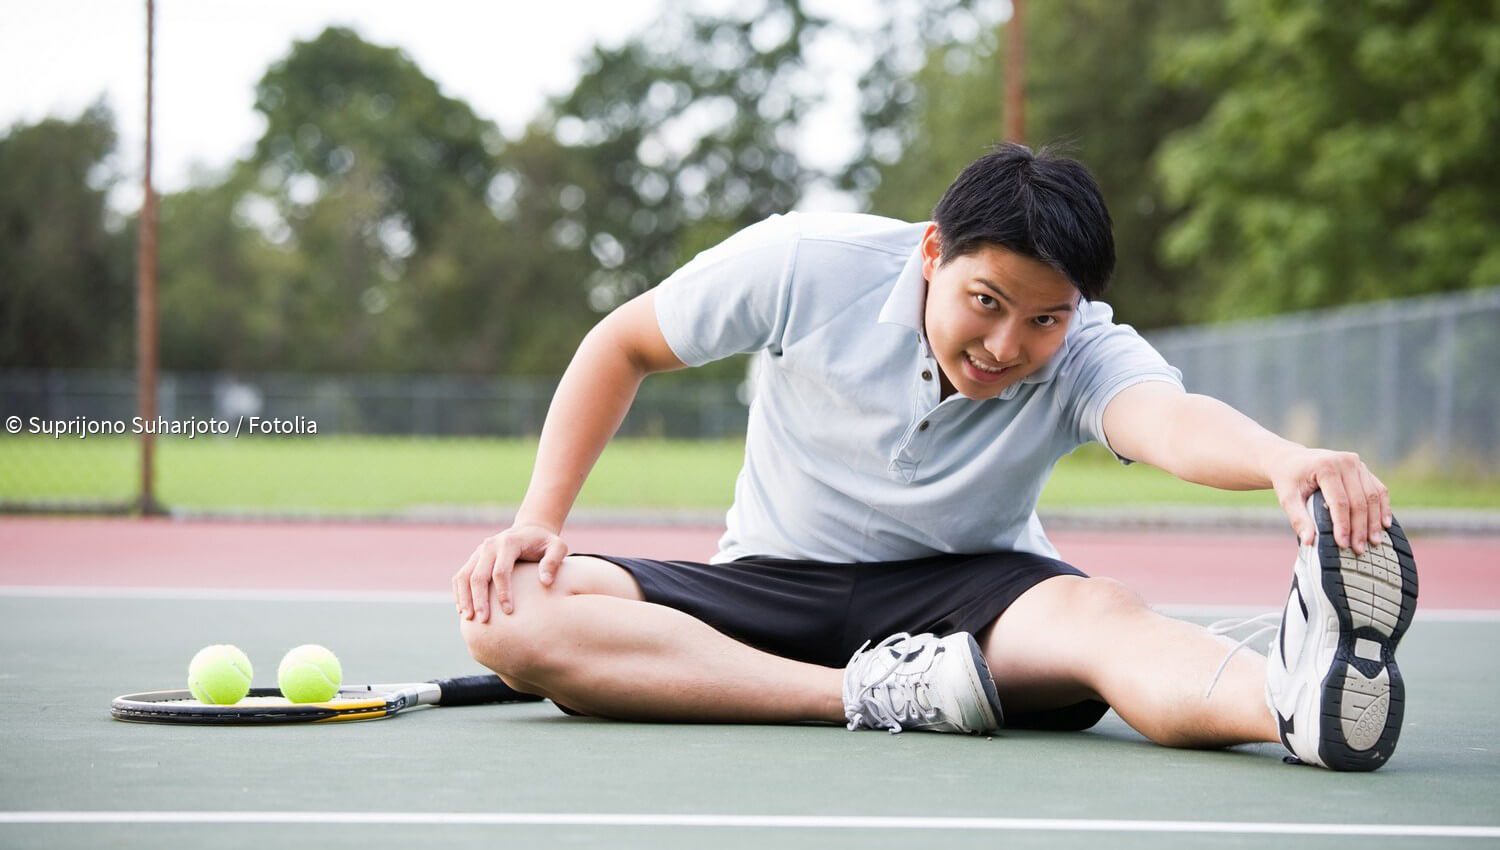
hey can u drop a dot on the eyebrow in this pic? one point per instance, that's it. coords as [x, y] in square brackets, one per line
[995, 288]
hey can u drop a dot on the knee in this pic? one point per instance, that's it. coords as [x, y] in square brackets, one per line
[502, 645]
[512, 644]
[526, 643]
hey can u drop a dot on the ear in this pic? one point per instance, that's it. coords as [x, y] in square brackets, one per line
[932, 255]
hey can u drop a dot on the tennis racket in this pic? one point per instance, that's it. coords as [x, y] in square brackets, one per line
[354, 702]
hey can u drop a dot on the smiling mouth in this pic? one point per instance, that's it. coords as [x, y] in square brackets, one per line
[982, 366]
[985, 372]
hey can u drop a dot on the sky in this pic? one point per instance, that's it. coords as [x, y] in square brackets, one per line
[504, 58]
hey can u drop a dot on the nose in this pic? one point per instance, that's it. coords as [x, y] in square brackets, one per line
[1004, 342]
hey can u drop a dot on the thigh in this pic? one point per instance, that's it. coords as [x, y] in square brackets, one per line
[536, 604]
[588, 574]
[792, 609]
[1044, 650]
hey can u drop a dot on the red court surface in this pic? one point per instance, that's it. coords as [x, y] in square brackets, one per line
[1181, 568]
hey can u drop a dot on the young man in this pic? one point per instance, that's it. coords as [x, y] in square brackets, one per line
[917, 383]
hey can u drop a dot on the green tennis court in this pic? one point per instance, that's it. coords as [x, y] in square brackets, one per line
[528, 775]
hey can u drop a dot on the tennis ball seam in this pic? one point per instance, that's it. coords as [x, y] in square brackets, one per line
[309, 673]
[307, 665]
[216, 676]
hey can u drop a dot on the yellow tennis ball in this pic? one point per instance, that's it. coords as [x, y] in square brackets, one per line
[219, 674]
[309, 673]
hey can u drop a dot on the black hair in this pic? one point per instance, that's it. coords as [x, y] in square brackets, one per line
[1042, 205]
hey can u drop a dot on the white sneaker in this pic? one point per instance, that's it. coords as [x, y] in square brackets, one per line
[921, 682]
[1331, 675]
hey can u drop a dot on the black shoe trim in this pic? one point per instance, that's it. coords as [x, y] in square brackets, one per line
[1334, 748]
[989, 682]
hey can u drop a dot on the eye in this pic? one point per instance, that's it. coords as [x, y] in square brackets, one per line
[986, 301]
[1046, 321]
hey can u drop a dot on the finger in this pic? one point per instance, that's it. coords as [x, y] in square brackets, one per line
[1380, 505]
[479, 581]
[505, 564]
[461, 596]
[1359, 505]
[552, 561]
[1302, 524]
[1337, 500]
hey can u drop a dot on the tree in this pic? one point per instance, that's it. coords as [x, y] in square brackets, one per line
[1091, 86]
[338, 102]
[687, 133]
[357, 237]
[495, 291]
[223, 287]
[381, 226]
[66, 286]
[1349, 153]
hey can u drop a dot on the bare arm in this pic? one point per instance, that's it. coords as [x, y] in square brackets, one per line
[1204, 440]
[591, 401]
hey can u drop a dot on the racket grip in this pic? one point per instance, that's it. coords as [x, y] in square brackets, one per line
[479, 690]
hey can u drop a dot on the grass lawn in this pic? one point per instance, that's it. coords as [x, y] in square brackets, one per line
[380, 474]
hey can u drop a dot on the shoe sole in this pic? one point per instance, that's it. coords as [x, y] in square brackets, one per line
[994, 718]
[1374, 596]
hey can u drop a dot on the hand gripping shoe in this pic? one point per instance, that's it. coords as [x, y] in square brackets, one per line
[1331, 675]
[921, 682]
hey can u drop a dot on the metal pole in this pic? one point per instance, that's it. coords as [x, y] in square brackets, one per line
[1447, 378]
[1015, 74]
[145, 302]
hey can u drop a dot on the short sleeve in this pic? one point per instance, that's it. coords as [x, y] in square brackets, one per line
[1104, 360]
[732, 298]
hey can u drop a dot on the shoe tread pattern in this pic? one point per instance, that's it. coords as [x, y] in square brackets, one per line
[1375, 596]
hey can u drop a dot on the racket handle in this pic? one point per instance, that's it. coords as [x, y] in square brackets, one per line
[479, 690]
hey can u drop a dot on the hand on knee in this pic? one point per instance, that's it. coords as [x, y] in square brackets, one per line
[513, 644]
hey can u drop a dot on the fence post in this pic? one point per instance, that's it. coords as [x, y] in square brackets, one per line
[1447, 365]
[1388, 331]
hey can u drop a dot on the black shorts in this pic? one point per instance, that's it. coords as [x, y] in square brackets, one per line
[821, 613]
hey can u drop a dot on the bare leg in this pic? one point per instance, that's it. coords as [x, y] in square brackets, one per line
[592, 643]
[1071, 638]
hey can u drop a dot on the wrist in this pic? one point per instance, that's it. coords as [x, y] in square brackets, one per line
[525, 521]
[1279, 457]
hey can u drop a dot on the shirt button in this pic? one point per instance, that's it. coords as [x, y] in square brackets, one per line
[926, 374]
[924, 425]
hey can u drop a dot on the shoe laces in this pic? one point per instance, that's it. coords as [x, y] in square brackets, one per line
[875, 693]
[1263, 624]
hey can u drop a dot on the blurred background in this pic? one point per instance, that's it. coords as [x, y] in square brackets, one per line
[400, 229]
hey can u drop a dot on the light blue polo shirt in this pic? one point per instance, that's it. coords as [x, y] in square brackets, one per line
[850, 454]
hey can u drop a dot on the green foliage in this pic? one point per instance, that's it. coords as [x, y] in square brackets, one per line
[381, 226]
[343, 111]
[682, 133]
[1258, 156]
[66, 277]
[1089, 86]
[1350, 153]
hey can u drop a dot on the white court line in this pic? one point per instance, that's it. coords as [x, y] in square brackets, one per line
[421, 597]
[748, 821]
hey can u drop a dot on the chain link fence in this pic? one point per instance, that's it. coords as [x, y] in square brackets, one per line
[1408, 384]
[429, 406]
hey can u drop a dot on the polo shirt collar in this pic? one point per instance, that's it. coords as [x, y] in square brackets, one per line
[907, 302]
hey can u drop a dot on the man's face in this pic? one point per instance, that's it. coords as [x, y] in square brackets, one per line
[992, 317]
